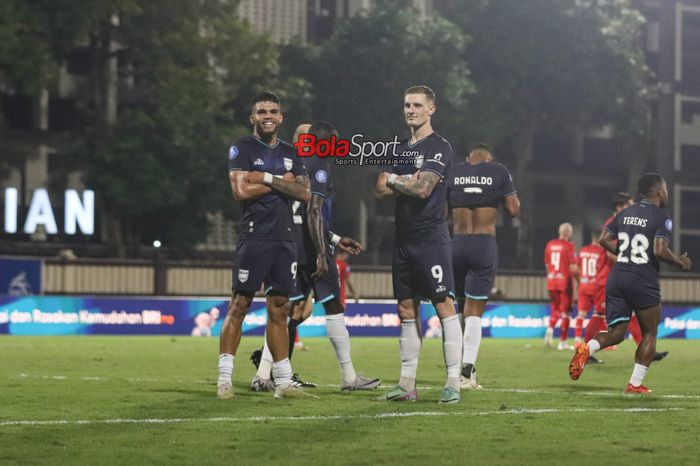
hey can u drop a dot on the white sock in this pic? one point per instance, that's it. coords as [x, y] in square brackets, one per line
[225, 368]
[265, 367]
[593, 346]
[410, 343]
[340, 339]
[452, 345]
[638, 374]
[282, 371]
[472, 339]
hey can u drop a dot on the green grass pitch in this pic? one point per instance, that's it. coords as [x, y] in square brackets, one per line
[151, 400]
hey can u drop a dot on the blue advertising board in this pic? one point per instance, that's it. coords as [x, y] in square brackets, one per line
[86, 315]
[20, 277]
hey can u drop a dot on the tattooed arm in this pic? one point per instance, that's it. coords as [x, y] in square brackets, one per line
[420, 187]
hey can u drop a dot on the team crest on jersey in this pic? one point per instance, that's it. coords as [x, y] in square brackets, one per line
[288, 164]
[669, 224]
[419, 160]
[321, 176]
[232, 152]
[243, 275]
[259, 162]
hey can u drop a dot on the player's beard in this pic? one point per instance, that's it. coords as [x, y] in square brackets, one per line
[265, 133]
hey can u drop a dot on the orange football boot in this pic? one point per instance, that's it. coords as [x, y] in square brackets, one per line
[579, 361]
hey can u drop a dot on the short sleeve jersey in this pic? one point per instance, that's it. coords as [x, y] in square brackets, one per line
[416, 218]
[605, 265]
[589, 259]
[559, 255]
[320, 178]
[479, 185]
[268, 217]
[635, 228]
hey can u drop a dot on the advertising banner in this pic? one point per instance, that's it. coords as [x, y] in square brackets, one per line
[72, 315]
[20, 277]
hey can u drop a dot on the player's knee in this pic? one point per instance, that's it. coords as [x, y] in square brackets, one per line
[406, 310]
[333, 307]
[239, 305]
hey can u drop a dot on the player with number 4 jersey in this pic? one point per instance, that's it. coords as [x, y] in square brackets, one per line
[560, 260]
[643, 234]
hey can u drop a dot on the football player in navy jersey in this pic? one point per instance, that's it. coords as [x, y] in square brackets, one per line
[266, 176]
[422, 260]
[643, 234]
[476, 189]
[317, 271]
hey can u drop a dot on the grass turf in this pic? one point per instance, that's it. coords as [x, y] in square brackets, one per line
[529, 413]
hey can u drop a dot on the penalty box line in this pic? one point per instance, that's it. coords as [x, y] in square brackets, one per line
[255, 419]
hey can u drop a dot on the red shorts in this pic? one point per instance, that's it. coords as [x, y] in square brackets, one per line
[560, 300]
[586, 298]
[599, 301]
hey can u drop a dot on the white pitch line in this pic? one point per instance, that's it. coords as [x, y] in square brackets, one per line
[525, 391]
[68, 422]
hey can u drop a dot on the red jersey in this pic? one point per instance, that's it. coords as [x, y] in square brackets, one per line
[605, 265]
[559, 255]
[343, 274]
[589, 260]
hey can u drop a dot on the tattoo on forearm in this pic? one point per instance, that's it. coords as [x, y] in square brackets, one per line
[295, 189]
[421, 187]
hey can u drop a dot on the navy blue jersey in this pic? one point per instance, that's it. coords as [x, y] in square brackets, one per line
[636, 227]
[479, 185]
[320, 179]
[417, 218]
[268, 217]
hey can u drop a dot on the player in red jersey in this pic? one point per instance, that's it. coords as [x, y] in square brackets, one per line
[344, 275]
[590, 258]
[596, 324]
[560, 260]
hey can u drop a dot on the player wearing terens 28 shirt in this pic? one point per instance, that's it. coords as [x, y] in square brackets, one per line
[422, 261]
[643, 233]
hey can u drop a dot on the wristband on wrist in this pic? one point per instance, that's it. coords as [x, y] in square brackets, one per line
[392, 179]
[267, 178]
[335, 239]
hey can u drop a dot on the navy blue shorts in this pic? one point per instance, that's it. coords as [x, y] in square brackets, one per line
[475, 260]
[325, 289]
[628, 291]
[423, 270]
[273, 263]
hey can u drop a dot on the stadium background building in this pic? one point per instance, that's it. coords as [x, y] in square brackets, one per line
[564, 176]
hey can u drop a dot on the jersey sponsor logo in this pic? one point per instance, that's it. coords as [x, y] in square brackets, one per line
[243, 275]
[232, 153]
[473, 190]
[288, 164]
[259, 162]
[321, 176]
[669, 225]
